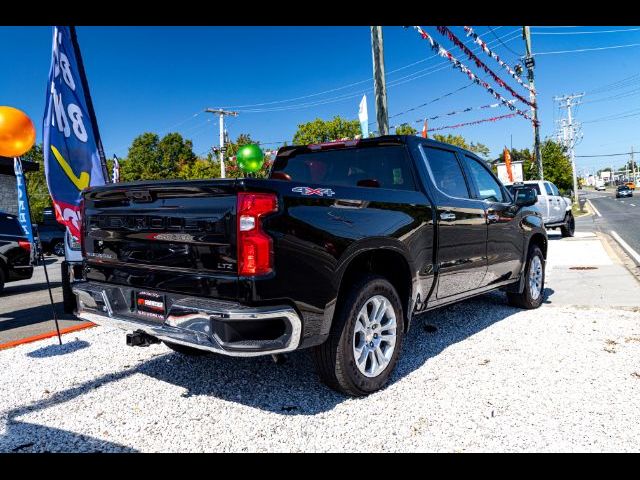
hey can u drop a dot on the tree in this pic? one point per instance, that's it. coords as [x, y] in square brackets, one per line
[152, 158]
[405, 129]
[459, 141]
[555, 164]
[320, 131]
[37, 189]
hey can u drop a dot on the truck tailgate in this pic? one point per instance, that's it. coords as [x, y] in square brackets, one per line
[174, 236]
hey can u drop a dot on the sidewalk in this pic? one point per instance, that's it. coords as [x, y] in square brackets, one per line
[585, 271]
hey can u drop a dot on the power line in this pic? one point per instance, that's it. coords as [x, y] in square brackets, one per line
[585, 33]
[399, 81]
[359, 82]
[518, 55]
[588, 49]
[604, 155]
[627, 81]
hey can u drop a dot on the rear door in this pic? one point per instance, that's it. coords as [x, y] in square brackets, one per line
[462, 228]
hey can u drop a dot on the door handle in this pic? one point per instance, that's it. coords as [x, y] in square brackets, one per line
[493, 217]
[447, 216]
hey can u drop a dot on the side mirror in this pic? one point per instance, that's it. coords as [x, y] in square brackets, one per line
[526, 197]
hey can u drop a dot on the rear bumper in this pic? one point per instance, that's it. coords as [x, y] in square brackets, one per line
[221, 327]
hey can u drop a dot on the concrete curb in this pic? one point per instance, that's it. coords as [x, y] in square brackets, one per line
[43, 336]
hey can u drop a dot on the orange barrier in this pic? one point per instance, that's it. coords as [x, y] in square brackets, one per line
[42, 336]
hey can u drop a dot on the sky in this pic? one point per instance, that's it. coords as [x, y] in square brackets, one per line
[160, 79]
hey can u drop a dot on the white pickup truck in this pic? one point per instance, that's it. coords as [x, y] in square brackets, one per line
[555, 209]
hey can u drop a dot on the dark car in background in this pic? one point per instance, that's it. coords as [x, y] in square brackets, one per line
[51, 234]
[15, 251]
[623, 191]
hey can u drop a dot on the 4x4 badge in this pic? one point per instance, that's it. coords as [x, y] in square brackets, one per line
[307, 191]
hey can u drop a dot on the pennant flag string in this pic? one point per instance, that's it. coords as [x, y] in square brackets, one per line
[475, 122]
[472, 76]
[429, 102]
[485, 48]
[445, 31]
[456, 112]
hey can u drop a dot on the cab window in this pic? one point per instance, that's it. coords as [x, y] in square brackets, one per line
[446, 172]
[488, 187]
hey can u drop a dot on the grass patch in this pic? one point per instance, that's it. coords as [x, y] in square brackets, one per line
[575, 209]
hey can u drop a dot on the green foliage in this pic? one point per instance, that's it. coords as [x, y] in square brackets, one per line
[37, 189]
[201, 169]
[152, 158]
[555, 164]
[459, 141]
[319, 131]
[405, 129]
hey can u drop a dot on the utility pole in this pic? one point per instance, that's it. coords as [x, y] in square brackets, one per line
[529, 62]
[379, 82]
[570, 135]
[633, 165]
[222, 114]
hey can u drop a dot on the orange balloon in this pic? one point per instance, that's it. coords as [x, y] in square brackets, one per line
[17, 133]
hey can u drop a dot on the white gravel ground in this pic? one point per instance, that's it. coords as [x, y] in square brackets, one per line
[491, 378]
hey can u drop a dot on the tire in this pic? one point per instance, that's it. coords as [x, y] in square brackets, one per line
[184, 350]
[569, 227]
[526, 298]
[58, 248]
[69, 304]
[2, 279]
[335, 359]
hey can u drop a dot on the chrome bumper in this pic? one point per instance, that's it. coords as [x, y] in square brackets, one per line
[190, 321]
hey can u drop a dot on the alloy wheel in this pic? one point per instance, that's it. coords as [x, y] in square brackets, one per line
[374, 337]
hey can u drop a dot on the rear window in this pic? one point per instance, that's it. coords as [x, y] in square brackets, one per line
[9, 225]
[623, 187]
[380, 166]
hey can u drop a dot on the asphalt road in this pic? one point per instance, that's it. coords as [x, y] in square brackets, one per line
[25, 308]
[621, 215]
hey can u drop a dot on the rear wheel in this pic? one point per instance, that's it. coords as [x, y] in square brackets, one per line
[569, 227]
[365, 340]
[184, 350]
[58, 248]
[533, 292]
[1, 279]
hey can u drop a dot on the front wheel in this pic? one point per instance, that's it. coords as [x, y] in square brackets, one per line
[532, 294]
[365, 340]
[569, 227]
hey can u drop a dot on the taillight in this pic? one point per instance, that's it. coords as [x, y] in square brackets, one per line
[254, 245]
[25, 245]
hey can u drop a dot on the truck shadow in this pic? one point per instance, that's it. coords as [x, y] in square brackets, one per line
[289, 389]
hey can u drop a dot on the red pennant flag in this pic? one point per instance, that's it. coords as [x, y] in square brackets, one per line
[424, 130]
[507, 161]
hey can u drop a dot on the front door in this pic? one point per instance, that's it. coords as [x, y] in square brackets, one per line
[504, 235]
[462, 227]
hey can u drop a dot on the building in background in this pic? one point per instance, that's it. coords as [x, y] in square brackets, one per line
[8, 191]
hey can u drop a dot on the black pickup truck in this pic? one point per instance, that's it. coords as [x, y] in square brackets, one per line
[336, 251]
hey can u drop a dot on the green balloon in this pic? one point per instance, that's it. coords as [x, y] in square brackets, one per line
[250, 158]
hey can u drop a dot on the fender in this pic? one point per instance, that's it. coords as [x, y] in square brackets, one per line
[368, 245]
